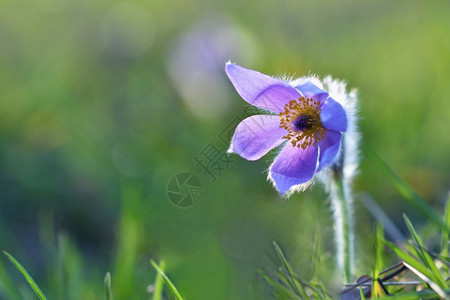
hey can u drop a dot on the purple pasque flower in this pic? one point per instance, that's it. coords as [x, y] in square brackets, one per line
[304, 118]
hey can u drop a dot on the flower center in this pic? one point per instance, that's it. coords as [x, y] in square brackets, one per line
[301, 119]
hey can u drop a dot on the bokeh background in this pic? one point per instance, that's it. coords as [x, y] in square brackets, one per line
[103, 102]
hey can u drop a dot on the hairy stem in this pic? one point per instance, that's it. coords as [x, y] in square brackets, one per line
[342, 207]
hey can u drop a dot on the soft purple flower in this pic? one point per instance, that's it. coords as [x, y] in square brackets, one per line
[303, 115]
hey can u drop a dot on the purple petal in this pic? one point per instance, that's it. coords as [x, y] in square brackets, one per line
[333, 116]
[257, 135]
[311, 91]
[261, 90]
[293, 166]
[329, 148]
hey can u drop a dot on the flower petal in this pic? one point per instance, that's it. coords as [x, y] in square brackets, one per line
[333, 116]
[293, 166]
[329, 148]
[312, 91]
[257, 135]
[261, 90]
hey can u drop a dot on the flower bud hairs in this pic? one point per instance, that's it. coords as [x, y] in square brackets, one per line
[313, 123]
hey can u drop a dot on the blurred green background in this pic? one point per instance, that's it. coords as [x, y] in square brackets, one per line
[103, 102]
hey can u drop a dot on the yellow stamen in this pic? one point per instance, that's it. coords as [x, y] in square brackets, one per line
[301, 119]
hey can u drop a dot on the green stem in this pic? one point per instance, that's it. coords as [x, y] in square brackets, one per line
[343, 226]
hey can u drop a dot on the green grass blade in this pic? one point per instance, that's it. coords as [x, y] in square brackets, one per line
[425, 294]
[361, 294]
[159, 281]
[279, 288]
[444, 259]
[317, 252]
[426, 258]
[284, 278]
[445, 235]
[108, 290]
[418, 250]
[406, 191]
[27, 276]
[410, 260]
[323, 293]
[316, 291]
[378, 261]
[7, 286]
[298, 288]
[430, 282]
[169, 283]
[128, 240]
